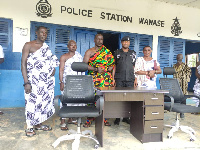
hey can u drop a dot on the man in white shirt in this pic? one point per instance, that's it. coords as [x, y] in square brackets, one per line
[1, 61]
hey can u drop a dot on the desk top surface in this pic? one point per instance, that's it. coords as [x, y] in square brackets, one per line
[130, 89]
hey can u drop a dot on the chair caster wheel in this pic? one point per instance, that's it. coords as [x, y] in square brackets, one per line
[191, 139]
[96, 146]
[169, 137]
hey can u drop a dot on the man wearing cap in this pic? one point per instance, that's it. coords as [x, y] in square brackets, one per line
[123, 72]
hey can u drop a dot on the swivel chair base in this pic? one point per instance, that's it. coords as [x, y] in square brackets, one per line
[76, 135]
[177, 127]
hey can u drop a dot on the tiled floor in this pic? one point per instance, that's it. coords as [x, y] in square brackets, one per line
[12, 135]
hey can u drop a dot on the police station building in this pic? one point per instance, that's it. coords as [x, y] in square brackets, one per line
[169, 29]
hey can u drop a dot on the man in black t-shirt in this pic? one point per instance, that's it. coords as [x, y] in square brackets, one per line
[123, 72]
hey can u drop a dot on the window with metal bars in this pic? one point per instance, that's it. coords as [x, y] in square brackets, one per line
[57, 38]
[138, 42]
[6, 34]
[168, 49]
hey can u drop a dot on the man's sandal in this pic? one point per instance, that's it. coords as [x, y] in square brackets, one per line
[63, 127]
[87, 124]
[72, 121]
[44, 128]
[30, 132]
[106, 123]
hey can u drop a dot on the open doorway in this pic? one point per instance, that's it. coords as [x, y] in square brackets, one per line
[111, 41]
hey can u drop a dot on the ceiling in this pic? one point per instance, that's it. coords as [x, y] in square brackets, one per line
[187, 3]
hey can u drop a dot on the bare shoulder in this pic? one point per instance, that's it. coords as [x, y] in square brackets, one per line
[90, 51]
[64, 57]
[28, 46]
[88, 54]
[30, 43]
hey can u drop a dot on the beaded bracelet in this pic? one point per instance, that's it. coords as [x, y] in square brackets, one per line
[26, 83]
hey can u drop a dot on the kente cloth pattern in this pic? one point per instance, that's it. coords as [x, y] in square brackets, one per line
[142, 65]
[183, 74]
[102, 58]
[39, 103]
[196, 88]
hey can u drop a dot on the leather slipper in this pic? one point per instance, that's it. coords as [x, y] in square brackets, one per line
[63, 127]
[44, 128]
[30, 132]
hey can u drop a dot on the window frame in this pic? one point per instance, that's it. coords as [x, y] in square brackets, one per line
[7, 47]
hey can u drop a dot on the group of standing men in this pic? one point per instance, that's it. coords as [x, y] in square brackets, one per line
[38, 69]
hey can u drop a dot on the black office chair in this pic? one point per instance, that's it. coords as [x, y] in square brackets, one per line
[79, 89]
[175, 101]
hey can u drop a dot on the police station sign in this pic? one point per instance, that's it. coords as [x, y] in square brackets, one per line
[102, 15]
[44, 10]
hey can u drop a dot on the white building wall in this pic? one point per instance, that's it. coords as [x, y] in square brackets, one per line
[22, 12]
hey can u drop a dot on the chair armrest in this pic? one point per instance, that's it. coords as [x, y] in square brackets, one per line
[100, 104]
[56, 105]
[189, 96]
[171, 101]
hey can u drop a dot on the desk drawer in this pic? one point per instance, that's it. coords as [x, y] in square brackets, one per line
[154, 99]
[124, 96]
[155, 126]
[155, 112]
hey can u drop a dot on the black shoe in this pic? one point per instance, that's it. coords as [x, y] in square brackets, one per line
[116, 122]
[182, 115]
[127, 120]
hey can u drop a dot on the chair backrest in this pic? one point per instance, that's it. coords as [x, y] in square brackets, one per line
[168, 71]
[79, 66]
[172, 85]
[78, 89]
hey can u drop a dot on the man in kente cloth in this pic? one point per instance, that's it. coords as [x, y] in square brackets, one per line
[183, 73]
[38, 69]
[101, 62]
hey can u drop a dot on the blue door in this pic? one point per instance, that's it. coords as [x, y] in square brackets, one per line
[84, 40]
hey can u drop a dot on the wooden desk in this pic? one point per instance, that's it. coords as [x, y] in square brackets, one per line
[144, 106]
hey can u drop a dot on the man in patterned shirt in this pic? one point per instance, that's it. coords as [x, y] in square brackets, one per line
[101, 63]
[183, 74]
[38, 69]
